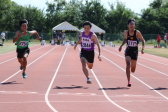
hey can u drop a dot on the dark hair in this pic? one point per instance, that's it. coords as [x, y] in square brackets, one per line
[87, 23]
[132, 19]
[23, 21]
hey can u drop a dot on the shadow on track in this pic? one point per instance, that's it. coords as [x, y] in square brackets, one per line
[160, 88]
[117, 88]
[7, 83]
[72, 87]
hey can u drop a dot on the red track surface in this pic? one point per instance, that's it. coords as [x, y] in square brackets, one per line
[56, 83]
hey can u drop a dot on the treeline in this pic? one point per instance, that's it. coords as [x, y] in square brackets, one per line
[152, 20]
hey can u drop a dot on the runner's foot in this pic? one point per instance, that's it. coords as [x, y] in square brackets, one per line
[89, 81]
[129, 84]
[24, 75]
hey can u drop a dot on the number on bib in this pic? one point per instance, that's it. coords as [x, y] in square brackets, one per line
[132, 43]
[23, 43]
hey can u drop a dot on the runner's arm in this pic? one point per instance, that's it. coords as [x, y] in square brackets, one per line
[79, 41]
[124, 41]
[141, 38]
[36, 33]
[97, 43]
[17, 36]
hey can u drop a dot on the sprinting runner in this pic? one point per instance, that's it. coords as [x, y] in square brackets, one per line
[87, 41]
[22, 38]
[131, 37]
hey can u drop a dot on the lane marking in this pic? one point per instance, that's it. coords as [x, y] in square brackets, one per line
[145, 58]
[135, 77]
[29, 64]
[16, 57]
[106, 96]
[139, 63]
[17, 92]
[51, 83]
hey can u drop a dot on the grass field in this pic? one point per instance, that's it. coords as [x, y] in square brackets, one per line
[163, 52]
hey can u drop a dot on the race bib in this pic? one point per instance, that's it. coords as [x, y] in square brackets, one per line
[132, 43]
[23, 43]
[86, 43]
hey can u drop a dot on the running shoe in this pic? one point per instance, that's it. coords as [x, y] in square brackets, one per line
[129, 84]
[21, 68]
[89, 81]
[24, 75]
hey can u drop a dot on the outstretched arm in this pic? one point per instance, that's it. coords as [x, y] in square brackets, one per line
[36, 33]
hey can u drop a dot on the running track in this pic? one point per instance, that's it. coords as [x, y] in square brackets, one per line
[56, 82]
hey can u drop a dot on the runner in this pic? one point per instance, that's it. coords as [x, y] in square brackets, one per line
[22, 38]
[131, 36]
[87, 41]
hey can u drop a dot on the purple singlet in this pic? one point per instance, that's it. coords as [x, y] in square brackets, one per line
[87, 44]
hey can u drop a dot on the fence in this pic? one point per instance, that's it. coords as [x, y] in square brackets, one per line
[74, 36]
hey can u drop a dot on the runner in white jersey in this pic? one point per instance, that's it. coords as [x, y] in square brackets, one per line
[88, 40]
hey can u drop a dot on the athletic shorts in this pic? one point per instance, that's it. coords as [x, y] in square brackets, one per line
[3, 40]
[22, 52]
[88, 55]
[63, 37]
[132, 52]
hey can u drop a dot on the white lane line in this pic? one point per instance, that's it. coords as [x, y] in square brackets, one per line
[138, 63]
[16, 57]
[149, 55]
[135, 77]
[51, 83]
[146, 58]
[28, 65]
[15, 51]
[106, 94]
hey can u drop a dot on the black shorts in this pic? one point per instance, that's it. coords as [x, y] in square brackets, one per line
[3, 40]
[88, 55]
[22, 52]
[132, 52]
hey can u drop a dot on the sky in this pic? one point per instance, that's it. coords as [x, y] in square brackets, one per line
[135, 5]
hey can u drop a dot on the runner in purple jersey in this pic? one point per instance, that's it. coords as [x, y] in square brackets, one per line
[88, 40]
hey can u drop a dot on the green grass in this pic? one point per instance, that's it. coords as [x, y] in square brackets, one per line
[10, 46]
[163, 52]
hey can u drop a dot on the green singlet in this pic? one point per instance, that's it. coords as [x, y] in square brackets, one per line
[23, 41]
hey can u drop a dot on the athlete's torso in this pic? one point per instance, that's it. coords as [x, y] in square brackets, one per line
[132, 41]
[87, 44]
[23, 41]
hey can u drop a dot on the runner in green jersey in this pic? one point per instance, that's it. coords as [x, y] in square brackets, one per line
[22, 38]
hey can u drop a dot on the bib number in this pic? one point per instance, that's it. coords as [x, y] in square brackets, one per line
[86, 43]
[23, 43]
[132, 43]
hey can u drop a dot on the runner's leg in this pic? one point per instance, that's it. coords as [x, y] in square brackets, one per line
[85, 71]
[133, 65]
[128, 59]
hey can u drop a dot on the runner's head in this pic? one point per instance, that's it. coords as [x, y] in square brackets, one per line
[87, 26]
[131, 24]
[23, 24]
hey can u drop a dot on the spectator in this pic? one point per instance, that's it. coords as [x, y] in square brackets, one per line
[102, 36]
[41, 37]
[158, 38]
[3, 37]
[165, 38]
[63, 37]
[54, 37]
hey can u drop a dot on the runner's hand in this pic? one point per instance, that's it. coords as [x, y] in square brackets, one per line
[120, 48]
[75, 47]
[99, 57]
[142, 51]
